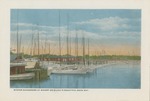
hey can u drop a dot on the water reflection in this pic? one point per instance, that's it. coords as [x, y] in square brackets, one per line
[113, 76]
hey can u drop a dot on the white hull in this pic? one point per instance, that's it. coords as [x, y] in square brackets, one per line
[72, 69]
[75, 69]
[24, 76]
[68, 72]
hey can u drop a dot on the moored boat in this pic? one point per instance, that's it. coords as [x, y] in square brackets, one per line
[24, 76]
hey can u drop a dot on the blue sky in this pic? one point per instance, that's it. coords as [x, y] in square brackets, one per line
[105, 27]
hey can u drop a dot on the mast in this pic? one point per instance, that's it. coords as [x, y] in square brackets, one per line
[67, 37]
[17, 36]
[49, 51]
[42, 51]
[83, 43]
[34, 47]
[59, 41]
[88, 53]
[45, 47]
[23, 51]
[38, 43]
[70, 44]
[76, 46]
[31, 51]
[20, 44]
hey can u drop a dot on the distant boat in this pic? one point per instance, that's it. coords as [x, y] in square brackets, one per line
[72, 68]
[69, 69]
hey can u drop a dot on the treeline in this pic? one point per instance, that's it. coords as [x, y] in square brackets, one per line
[116, 57]
[103, 57]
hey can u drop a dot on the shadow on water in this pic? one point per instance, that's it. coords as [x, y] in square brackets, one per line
[32, 83]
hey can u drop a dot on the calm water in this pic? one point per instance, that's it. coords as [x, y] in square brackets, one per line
[114, 76]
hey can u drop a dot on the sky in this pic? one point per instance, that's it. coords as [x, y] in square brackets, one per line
[115, 31]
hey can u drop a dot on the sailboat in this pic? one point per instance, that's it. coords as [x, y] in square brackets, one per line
[17, 65]
[68, 68]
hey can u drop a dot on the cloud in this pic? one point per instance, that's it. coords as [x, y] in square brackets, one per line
[110, 37]
[28, 28]
[53, 32]
[28, 32]
[23, 26]
[108, 24]
[128, 34]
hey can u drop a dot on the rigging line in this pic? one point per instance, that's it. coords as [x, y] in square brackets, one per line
[67, 37]
[17, 33]
[59, 41]
[31, 51]
[20, 43]
[38, 41]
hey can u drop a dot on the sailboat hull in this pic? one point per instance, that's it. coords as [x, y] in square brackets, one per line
[24, 76]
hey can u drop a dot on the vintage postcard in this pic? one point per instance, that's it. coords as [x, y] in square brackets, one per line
[69, 48]
[64, 51]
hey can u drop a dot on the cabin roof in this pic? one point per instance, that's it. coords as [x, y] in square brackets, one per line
[30, 65]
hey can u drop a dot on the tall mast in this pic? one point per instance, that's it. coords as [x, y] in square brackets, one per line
[67, 36]
[23, 51]
[49, 51]
[83, 42]
[45, 47]
[76, 46]
[42, 51]
[38, 43]
[70, 44]
[31, 51]
[17, 36]
[20, 44]
[34, 47]
[59, 41]
[88, 52]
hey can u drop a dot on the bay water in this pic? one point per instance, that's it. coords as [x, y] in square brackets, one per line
[115, 76]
